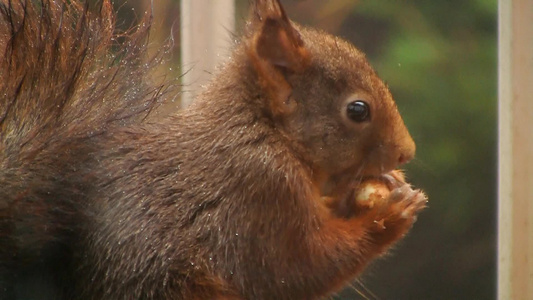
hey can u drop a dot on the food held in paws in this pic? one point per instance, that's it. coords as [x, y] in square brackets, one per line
[370, 192]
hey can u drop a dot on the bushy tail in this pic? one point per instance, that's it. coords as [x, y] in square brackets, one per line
[66, 77]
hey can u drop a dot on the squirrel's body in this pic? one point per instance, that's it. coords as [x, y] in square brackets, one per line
[243, 195]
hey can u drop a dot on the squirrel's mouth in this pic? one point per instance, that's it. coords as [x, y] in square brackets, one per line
[341, 184]
[344, 197]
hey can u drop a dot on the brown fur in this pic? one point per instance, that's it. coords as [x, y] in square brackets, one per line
[224, 200]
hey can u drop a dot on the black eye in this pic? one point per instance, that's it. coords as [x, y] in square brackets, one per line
[358, 111]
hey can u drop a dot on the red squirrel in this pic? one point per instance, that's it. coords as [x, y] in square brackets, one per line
[249, 193]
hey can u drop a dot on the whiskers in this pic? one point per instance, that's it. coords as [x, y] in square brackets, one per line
[361, 289]
[420, 164]
[358, 177]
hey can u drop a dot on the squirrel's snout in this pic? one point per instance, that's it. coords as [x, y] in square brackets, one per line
[406, 151]
[404, 159]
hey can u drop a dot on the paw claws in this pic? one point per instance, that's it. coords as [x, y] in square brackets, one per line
[380, 224]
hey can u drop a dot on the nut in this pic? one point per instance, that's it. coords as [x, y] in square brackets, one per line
[370, 192]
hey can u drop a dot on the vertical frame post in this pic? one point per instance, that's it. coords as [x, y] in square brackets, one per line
[206, 28]
[515, 193]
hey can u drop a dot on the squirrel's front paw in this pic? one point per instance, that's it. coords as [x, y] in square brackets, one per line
[388, 206]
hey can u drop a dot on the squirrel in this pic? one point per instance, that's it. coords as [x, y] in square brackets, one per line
[248, 193]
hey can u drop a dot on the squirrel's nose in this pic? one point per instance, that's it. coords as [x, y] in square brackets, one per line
[407, 151]
[404, 158]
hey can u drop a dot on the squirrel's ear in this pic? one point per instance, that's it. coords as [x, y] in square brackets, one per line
[275, 48]
[275, 39]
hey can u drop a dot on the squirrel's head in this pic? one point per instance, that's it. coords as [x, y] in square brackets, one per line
[325, 97]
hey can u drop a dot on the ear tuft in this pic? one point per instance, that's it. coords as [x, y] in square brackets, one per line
[275, 38]
[263, 9]
[275, 48]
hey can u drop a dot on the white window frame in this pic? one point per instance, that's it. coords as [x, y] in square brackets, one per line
[515, 157]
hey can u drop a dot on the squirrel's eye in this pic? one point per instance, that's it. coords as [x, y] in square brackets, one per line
[358, 111]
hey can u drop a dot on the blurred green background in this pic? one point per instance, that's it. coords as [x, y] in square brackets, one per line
[439, 59]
